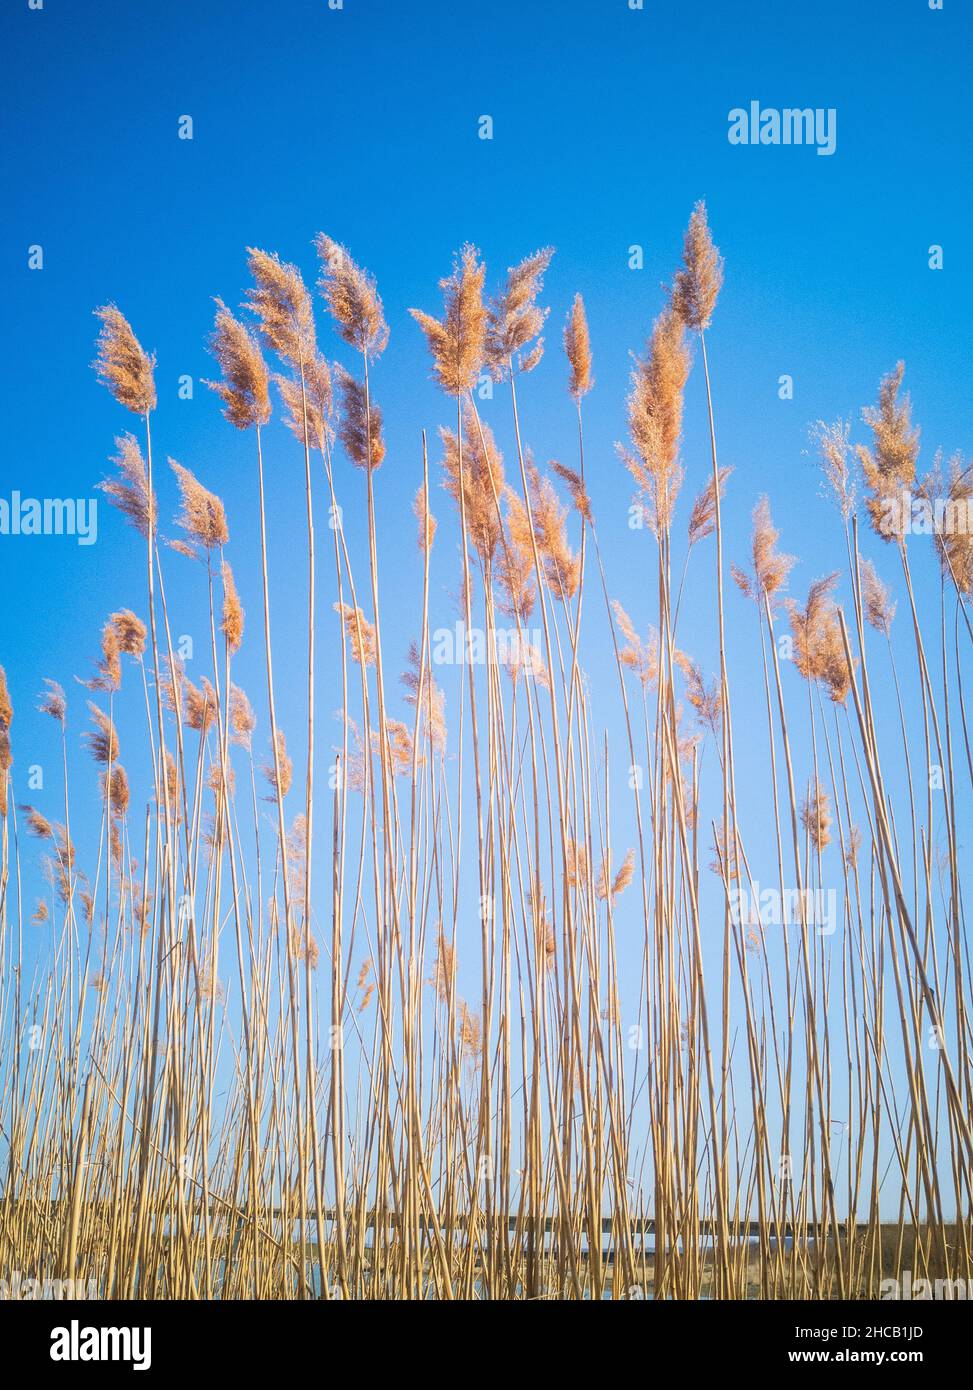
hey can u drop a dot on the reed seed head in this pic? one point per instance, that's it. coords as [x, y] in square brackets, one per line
[836, 462]
[242, 720]
[352, 298]
[360, 633]
[697, 285]
[360, 428]
[122, 363]
[514, 319]
[231, 624]
[889, 464]
[282, 305]
[577, 346]
[315, 402]
[201, 515]
[130, 491]
[458, 341]
[244, 389]
[816, 816]
[702, 518]
[655, 416]
[474, 478]
[878, 605]
[269, 770]
[53, 701]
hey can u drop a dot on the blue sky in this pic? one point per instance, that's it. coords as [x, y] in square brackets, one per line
[608, 125]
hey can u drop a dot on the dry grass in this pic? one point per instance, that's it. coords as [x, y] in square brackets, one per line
[243, 1066]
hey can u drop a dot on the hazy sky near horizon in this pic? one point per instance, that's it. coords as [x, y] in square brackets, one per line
[608, 125]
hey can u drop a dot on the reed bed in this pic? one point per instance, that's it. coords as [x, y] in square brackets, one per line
[237, 1061]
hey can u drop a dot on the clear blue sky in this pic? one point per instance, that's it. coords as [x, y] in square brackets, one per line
[609, 125]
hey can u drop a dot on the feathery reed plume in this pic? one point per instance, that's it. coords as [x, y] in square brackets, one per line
[6, 762]
[576, 862]
[579, 495]
[835, 461]
[770, 567]
[109, 677]
[545, 941]
[305, 946]
[297, 848]
[697, 285]
[702, 518]
[427, 522]
[443, 968]
[640, 657]
[708, 704]
[210, 985]
[515, 572]
[130, 631]
[115, 790]
[818, 649]
[352, 298]
[231, 624]
[853, 847]
[879, 607]
[399, 746]
[365, 985]
[53, 701]
[355, 768]
[242, 720]
[608, 887]
[41, 913]
[103, 743]
[130, 491]
[514, 318]
[433, 700]
[37, 823]
[625, 874]
[458, 342]
[6, 707]
[948, 497]
[889, 464]
[122, 363]
[245, 388]
[171, 682]
[360, 419]
[523, 658]
[562, 568]
[726, 861]
[201, 515]
[816, 816]
[481, 482]
[360, 633]
[316, 401]
[655, 417]
[577, 347]
[470, 1035]
[286, 767]
[216, 776]
[200, 705]
[172, 779]
[283, 307]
